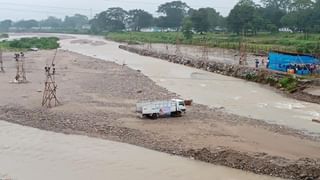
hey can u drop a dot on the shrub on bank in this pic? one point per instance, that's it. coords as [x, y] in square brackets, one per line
[41, 43]
[289, 83]
[27, 43]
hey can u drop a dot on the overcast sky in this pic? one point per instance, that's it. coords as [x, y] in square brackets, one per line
[40, 9]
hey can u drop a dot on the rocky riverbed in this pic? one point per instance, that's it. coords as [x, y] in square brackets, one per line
[98, 99]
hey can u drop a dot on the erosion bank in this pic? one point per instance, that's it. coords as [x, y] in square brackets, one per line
[98, 99]
[259, 75]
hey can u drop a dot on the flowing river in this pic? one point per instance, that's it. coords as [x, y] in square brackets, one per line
[32, 154]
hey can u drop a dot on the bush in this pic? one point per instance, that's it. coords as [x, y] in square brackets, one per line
[4, 35]
[272, 81]
[27, 43]
[290, 42]
[289, 83]
[251, 76]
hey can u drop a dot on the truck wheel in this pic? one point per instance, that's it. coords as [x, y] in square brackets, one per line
[176, 114]
[154, 116]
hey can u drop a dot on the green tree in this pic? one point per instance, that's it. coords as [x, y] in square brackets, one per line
[5, 25]
[187, 29]
[258, 23]
[112, 19]
[298, 19]
[242, 16]
[26, 24]
[51, 22]
[75, 22]
[205, 19]
[200, 20]
[289, 21]
[298, 5]
[139, 19]
[315, 17]
[98, 23]
[277, 4]
[174, 12]
[273, 15]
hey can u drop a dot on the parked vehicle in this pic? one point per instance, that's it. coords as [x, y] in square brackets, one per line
[155, 109]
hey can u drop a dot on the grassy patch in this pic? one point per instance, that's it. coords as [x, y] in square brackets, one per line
[27, 43]
[290, 84]
[251, 76]
[262, 42]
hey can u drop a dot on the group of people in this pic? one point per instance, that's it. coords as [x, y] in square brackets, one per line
[264, 62]
[296, 68]
[309, 68]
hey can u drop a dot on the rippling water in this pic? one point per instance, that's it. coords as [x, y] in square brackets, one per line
[32, 154]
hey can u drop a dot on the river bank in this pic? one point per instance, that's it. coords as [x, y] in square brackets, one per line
[249, 73]
[98, 99]
[255, 44]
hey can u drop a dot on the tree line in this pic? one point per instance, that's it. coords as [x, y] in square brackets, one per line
[76, 21]
[246, 17]
[291, 15]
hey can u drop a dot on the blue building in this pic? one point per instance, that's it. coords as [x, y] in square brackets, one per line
[302, 64]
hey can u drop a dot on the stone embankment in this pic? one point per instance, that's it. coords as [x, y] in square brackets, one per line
[259, 75]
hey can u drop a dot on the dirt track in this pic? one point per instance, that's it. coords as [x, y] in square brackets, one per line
[98, 99]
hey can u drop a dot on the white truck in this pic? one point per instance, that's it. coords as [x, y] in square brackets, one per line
[155, 109]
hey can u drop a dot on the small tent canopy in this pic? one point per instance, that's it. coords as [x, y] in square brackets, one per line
[282, 61]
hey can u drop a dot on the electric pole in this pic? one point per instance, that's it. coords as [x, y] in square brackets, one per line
[178, 46]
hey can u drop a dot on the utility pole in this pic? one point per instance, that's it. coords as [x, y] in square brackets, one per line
[205, 50]
[178, 46]
[167, 49]
[149, 46]
[243, 50]
[1, 61]
[21, 73]
[49, 98]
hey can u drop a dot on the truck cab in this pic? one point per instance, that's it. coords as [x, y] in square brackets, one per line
[180, 105]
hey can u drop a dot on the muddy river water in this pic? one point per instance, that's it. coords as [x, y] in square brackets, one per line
[32, 154]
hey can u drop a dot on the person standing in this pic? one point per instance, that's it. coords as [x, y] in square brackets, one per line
[268, 63]
[257, 62]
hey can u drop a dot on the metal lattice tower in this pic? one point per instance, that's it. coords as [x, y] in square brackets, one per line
[167, 49]
[1, 62]
[21, 73]
[205, 50]
[49, 98]
[243, 53]
[149, 46]
[178, 46]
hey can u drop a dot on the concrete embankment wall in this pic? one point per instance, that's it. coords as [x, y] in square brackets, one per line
[259, 75]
